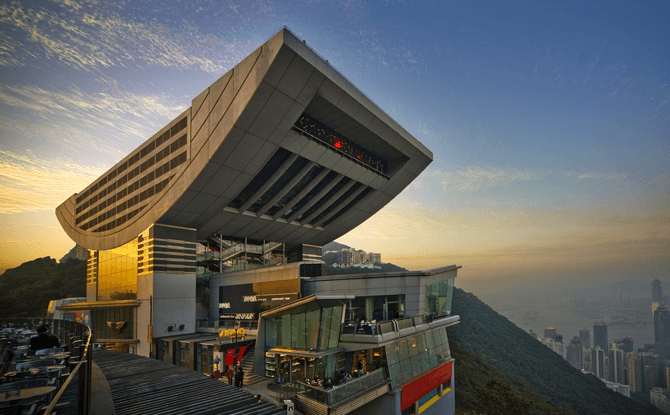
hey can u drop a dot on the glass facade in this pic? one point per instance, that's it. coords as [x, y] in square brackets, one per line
[438, 298]
[117, 273]
[306, 327]
[379, 308]
[413, 356]
[205, 358]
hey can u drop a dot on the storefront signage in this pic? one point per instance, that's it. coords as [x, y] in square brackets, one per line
[246, 301]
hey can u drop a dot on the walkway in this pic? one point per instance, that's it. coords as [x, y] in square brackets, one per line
[140, 385]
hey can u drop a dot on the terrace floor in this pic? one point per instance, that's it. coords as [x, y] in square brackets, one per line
[140, 385]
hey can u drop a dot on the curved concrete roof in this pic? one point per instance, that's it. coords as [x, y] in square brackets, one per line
[239, 165]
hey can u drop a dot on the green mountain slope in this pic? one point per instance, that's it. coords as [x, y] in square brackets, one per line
[525, 364]
[27, 289]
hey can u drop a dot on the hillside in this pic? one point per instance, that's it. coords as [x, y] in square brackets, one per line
[27, 289]
[333, 246]
[500, 348]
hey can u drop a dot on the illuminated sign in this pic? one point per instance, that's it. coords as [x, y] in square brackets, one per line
[246, 301]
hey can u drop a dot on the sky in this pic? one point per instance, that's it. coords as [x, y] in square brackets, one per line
[549, 122]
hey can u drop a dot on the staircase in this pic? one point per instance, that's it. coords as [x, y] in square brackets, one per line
[248, 366]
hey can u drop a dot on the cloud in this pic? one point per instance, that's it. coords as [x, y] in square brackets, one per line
[89, 35]
[601, 176]
[74, 102]
[31, 184]
[475, 178]
[72, 118]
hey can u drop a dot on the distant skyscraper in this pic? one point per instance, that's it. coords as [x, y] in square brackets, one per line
[549, 332]
[532, 334]
[575, 353]
[662, 332]
[627, 344]
[598, 362]
[656, 295]
[634, 370]
[649, 370]
[585, 337]
[615, 371]
[600, 335]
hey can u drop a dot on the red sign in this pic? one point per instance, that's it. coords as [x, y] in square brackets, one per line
[230, 357]
[241, 354]
[418, 388]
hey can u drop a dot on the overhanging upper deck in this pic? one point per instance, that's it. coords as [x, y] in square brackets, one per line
[281, 148]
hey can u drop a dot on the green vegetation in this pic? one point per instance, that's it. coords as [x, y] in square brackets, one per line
[496, 360]
[330, 258]
[27, 289]
[483, 389]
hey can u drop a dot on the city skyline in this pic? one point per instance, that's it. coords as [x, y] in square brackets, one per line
[549, 125]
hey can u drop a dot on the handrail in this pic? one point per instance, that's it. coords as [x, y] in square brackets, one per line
[341, 392]
[70, 333]
[86, 399]
[337, 150]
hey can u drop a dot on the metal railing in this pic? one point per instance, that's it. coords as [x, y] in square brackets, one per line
[384, 327]
[77, 339]
[336, 394]
[338, 151]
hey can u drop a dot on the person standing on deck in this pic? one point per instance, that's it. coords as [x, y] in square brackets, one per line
[229, 375]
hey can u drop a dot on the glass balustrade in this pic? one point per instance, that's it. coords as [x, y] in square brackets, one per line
[341, 392]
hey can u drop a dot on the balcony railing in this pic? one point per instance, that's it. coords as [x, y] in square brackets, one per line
[377, 169]
[338, 394]
[77, 339]
[381, 332]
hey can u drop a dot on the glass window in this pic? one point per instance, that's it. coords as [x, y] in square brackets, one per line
[312, 328]
[270, 333]
[428, 338]
[279, 324]
[437, 339]
[331, 365]
[298, 330]
[420, 343]
[286, 331]
[394, 373]
[439, 352]
[326, 319]
[403, 351]
[392, 354]
[432, 358]
[335, 327]
[416, 366]
[438, 298]
[117, 273]
[425, 362]
[412, 346]
[406, 371]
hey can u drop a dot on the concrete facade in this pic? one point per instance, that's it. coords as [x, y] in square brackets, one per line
[233, 129]
[411, 283]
